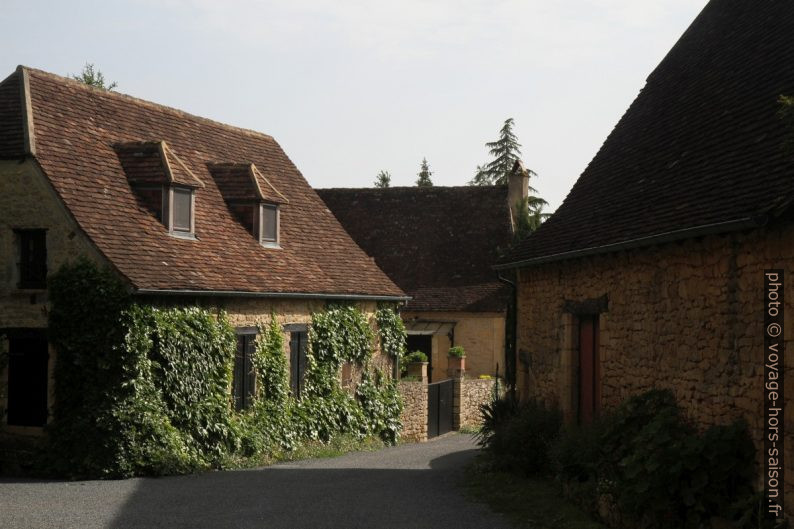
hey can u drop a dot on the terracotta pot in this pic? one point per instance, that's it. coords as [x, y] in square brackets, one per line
[418, 369]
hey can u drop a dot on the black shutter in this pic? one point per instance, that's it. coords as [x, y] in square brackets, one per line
[32, 258]
[250, 378]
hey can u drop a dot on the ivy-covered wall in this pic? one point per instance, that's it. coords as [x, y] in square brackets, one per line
[144, 388]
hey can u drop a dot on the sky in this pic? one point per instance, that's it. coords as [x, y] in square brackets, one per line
[349, 88]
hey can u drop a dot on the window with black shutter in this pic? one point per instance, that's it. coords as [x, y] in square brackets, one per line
[298, 341]
[244, 380]
[32, 258]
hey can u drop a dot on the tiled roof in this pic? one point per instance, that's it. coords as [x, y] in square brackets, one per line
[436, 243]
[244, 182]
[699, 150]
[76, 131]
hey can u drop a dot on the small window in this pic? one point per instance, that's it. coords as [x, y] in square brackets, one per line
[183, 210]
[269, 228]
[244, 380]
[32, 258]
[298, 341]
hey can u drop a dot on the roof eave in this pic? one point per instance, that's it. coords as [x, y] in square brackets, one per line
[659, 238]
[245, 294]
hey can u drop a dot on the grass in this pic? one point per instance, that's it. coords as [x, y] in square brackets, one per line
[531, 503]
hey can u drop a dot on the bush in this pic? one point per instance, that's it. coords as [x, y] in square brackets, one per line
[457, 352]
[416, 356]
[659, 470]
[519, 436]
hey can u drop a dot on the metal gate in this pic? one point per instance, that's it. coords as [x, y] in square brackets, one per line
[439, 408]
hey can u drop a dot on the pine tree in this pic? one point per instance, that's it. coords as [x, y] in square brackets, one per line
[93, 78]
[383, 179]
[424, 175]
[506, 150]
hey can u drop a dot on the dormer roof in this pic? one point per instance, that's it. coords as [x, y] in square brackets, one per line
[148, 163]
[244, 182]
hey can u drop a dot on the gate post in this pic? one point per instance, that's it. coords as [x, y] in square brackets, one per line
[457, 401]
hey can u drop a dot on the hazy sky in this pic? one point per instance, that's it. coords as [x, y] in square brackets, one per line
[351, 87]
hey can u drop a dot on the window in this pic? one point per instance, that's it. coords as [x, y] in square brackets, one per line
[269, 220]
[182, 212]
[32, 258]
[27, 378]
[298, 340]
[244, 380]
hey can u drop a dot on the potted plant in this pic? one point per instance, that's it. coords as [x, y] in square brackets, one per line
[415, 365]
[456, 361]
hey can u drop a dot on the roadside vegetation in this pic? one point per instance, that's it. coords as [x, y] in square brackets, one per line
[642, 465]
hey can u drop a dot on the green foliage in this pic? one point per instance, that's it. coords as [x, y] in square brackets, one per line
[381, 405]
[657, 467]
[457, 351]
[392, 332]
[142, 390]
[383, 179]
[519, 436]
[530, 216]
[93, 77]
[505, 151]
[424, 175]
[415, 356]
[340, 334]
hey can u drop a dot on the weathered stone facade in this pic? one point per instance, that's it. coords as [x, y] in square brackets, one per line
[414, 415]
[469, 395]
[481, 334]
[686, 316]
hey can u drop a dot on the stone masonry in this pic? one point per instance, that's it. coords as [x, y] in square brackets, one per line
[686, 316]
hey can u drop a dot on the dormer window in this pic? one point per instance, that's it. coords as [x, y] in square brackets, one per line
[268, 224]
[252, 199]
[163, 184]
[181, 218]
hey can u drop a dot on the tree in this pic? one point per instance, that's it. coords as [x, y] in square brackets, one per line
[424, 175]
[383, 179]
[93, 77]
[530, 216]
[506, 150]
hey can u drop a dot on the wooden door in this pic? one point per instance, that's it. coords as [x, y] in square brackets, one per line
[589, 370]
[298, 342]
[27, 378]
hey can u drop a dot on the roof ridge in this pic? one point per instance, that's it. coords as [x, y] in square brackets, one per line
[403, 188]
[143, 102]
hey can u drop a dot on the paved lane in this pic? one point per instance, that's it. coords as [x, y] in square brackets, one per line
[407, 486]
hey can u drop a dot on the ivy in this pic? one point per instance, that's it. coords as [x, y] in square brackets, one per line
[392, 332]
[145, 390]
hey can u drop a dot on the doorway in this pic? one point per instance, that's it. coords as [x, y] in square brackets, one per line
[589, 370]
[424, 343]
[27, 378]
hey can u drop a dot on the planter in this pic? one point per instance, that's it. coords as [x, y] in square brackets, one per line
[456, 366]
[418, 370]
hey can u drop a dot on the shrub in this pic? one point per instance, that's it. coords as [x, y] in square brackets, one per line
[519, 436]
[660, 471]
[457, 352]
[416, 356]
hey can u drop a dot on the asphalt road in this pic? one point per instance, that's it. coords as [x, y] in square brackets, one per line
[407, 486]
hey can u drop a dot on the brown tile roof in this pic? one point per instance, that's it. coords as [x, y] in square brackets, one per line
[76, 129]
[11, 124]
[436, 243]
[244, 182]
[699, 149]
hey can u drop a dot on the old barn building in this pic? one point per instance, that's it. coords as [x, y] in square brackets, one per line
[439, 244]
[651, 272]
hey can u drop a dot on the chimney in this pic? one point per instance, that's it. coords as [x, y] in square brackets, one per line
[517, 190]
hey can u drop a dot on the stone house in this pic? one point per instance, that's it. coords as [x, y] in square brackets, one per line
[651, 272]
[439, 244]
[186, 210]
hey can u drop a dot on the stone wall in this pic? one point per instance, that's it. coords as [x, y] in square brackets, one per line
[414, 415]
[469, 395]
[481, 334]
[27, 201]
[685, 316]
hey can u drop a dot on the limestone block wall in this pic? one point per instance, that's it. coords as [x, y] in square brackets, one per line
[27, 201]
[481, 334]
[469, 394]
[414, 415]
[686, 316]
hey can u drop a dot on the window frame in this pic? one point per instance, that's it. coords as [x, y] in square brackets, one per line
[247, 337]
[172, 229]
[268, 243]
[30, 280]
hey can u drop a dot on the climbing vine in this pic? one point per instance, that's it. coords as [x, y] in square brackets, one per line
[144, 389]
[392, 332]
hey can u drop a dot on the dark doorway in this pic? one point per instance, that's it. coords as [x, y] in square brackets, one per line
[244, 377]
[424, 343]
[27, 378]
[439, 408]
[298, 340]
[589, 370]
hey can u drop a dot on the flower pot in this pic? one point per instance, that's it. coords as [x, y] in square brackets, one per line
[418, 370]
